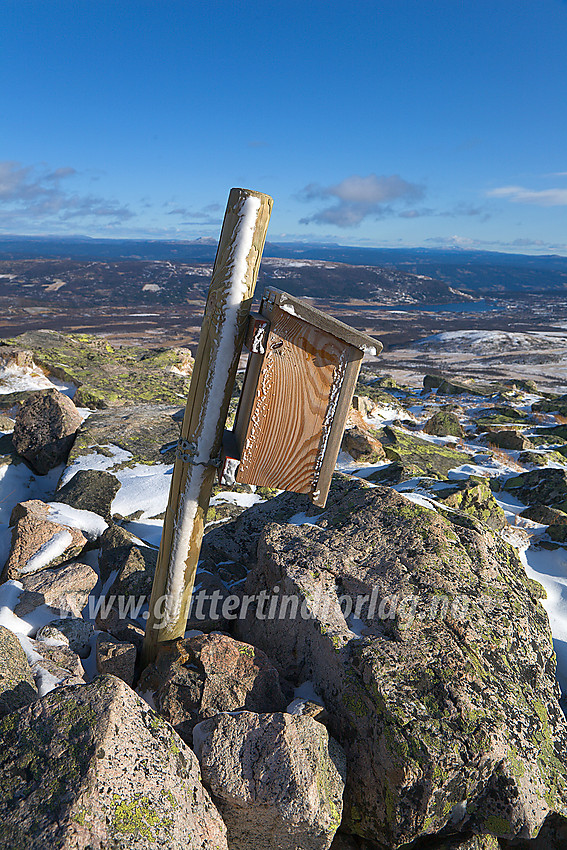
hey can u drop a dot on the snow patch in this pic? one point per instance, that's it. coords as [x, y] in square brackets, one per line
[48, 552]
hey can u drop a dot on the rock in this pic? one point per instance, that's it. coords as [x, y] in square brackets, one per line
[395, 473]
[11, 356]
[8, 454]
[351, 842]
[308, 708]
[221, 511]
[49, 675]
[113, 656]
[6, 424]
[108, 376]
[416, 454]
[90, 490]
[135, 565]
[71, 631]
[464, 386]
[149, 434]
[472, 842]
[539, 486]
[62, 656]
[237, 542]
[378, 396]
[544, 514]
[45, 428]
[359, 440]
[556, 405]
[552, 836]
[500, 417]
[445, 691]
[66, 589]
[444, 423]
[132, 587]
[10, 403]
[38, 543]
[116, 545]
[94, 766]
[555, 519]
[474, 497]
[208, 602]
[363, 404]
[17, 686]
[541, 458]
[196, 678]
[278, 779]
[505, 439]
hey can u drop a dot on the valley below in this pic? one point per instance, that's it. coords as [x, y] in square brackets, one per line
[419, 319]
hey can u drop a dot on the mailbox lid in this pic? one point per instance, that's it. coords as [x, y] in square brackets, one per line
[273, 297]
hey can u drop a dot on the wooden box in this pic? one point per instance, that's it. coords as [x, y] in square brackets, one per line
[299, 381]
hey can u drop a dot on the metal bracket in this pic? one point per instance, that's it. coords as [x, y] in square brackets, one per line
[185, 452]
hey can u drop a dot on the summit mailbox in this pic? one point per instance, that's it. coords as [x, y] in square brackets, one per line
[300, 377]
[299, 382]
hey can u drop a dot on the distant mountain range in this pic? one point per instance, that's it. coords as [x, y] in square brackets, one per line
[316, 271]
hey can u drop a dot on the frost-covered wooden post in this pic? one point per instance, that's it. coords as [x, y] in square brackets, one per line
[226, 316]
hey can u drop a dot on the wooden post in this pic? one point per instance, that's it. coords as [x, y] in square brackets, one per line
[226, 314]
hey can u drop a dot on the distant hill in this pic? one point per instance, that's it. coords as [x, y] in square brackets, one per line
[475, 272]
[73, 283]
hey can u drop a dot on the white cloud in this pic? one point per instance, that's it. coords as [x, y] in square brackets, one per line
[29, 194]
[357, 198]
[532, 245]
[454, 241]
[521, 195]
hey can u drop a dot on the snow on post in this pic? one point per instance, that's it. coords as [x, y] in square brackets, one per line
[226, 314]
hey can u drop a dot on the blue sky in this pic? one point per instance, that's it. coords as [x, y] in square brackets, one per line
[370, 122]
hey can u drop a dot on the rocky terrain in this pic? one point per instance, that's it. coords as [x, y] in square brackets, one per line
[385, 673]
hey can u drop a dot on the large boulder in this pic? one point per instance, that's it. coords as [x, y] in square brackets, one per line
[65, 588]
[462, 386]
[556, 405]
[108, 376]
[38, 542]
[278, 779]
[148, 433]
[555, 520]
[433, 656]
[94, 766]
[501, 416]
[196, 678]
[90, 490]
[45, 428]
[552, 836]
[73, 632]
[508, 439]
[539, 486]
[361, 445]
[134, 565]
[419, 456]
[17, 686]
[444, 423]
[473, 496]
[237, 542]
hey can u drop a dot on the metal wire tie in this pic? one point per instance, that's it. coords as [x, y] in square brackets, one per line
[185, 452]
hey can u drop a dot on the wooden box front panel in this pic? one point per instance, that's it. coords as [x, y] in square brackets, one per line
[293, 396]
